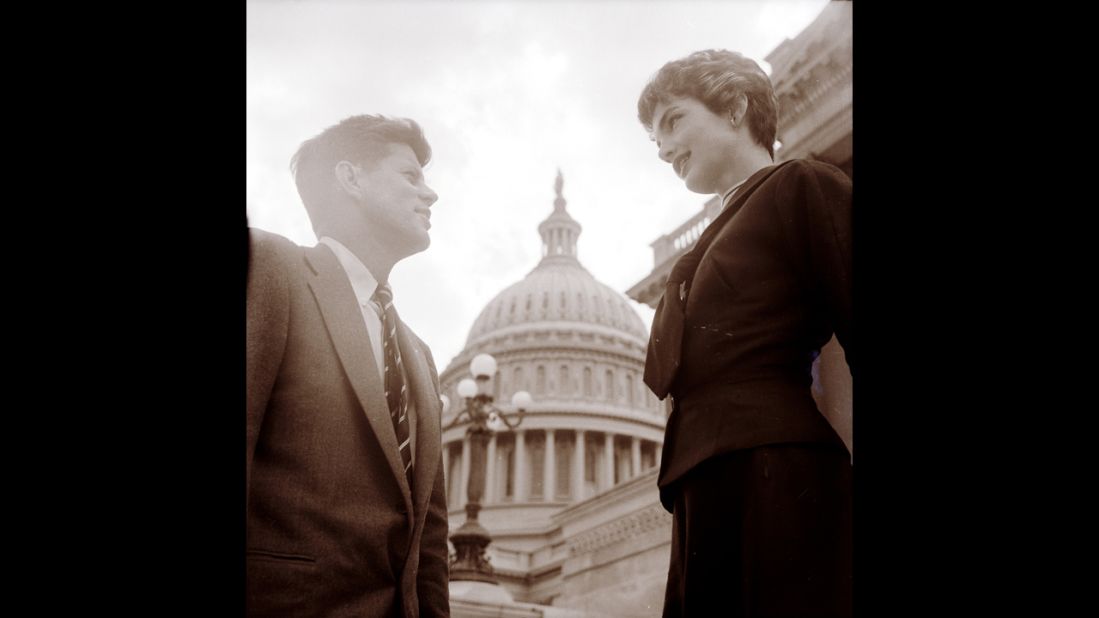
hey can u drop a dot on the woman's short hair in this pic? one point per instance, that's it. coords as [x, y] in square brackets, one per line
[716, 78]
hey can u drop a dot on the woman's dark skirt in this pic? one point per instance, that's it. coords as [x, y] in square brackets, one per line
[764, 531]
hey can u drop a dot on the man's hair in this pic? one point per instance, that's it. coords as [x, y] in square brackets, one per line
[359, 139]
[716, 78]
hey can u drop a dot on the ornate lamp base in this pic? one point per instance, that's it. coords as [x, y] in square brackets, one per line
[470, 541]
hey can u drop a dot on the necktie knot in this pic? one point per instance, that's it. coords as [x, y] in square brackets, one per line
[383, 296]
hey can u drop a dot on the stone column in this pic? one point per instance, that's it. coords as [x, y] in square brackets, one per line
[521, 465]
[577, 485]
[549, 468]
[635, 457]
[490, 471]
[608, 461]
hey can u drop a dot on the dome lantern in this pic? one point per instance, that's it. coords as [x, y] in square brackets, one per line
[559, 230]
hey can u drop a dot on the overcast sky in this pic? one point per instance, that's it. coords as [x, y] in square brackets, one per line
[506, 92]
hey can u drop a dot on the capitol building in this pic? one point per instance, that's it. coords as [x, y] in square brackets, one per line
[571, 493]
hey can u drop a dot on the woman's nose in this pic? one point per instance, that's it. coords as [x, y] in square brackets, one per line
[664, 152]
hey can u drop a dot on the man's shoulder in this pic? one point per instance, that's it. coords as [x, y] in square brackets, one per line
[262, 242]
[272, 260]
[273, 250]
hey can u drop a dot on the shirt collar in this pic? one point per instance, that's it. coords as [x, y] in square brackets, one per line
[727, 197]
[362, 281]
[729, 193]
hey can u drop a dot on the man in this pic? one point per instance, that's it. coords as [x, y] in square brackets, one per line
[346, 512]
[758, 482]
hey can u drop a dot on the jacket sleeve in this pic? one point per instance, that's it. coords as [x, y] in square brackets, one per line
[267, 310]
[816, 198]
[433, 578]
[828, 195]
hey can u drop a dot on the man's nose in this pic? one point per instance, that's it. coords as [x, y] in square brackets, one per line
[429, 195]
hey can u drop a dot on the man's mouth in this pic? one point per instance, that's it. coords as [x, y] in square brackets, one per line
[426, 214]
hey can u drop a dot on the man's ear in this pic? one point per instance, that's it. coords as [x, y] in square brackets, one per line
[347, 177]
[739, 110]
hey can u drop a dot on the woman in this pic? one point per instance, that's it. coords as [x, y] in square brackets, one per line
[757, 480]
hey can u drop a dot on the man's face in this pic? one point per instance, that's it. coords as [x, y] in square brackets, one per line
[394, 201]
[701, 145]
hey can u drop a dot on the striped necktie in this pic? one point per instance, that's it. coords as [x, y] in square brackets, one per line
[396, 393]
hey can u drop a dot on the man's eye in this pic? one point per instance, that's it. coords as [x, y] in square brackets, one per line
[672, 122]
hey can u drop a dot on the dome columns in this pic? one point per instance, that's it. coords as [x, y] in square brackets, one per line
[522, 476]
[588, 462]
[635, 456]
[576, 487]
[608, 462]
[549, 467]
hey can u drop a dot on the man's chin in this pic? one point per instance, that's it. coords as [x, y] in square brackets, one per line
[421, 243]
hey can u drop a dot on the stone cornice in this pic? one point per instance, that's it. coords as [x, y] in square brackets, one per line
[805, 93]
[543, 571]
[635, 524]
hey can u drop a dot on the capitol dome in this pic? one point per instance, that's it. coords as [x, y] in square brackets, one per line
[578, 347]
[559, 293]
[553, 314]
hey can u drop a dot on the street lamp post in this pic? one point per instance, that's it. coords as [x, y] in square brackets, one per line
[471, 539]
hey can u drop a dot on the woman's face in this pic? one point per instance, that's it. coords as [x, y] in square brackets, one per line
[701, 145]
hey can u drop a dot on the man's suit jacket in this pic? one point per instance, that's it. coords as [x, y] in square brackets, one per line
[745, 311]
[332, 527]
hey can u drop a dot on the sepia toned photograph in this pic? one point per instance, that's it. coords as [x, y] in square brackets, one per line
[548, 308]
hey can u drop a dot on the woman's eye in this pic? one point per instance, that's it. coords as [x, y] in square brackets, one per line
[673, 122]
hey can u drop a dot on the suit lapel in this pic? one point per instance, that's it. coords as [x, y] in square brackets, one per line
[344, 321]
[665, 341]
[424, 393]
